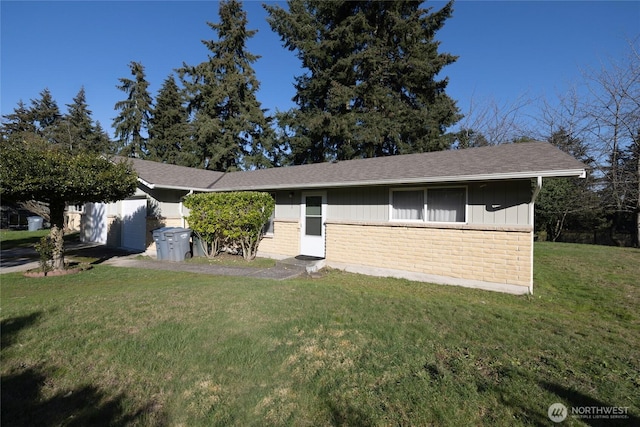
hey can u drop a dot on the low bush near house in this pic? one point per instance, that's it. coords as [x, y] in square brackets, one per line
[234, 219]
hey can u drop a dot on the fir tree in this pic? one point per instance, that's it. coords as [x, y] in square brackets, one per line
[135, 112]
[101, 141]
[229, 125]
[169, 139]
[17, 125]
[46, 117]
[371, 86]
[79, 125]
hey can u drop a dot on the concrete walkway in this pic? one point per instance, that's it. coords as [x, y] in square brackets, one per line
[278, 272]
[23, 259]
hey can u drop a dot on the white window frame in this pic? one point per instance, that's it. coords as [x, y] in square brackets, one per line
[447, 187]
[425, 207]
[405, 189]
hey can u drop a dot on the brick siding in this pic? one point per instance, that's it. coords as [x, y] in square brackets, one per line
[496, 255]
[285, 240]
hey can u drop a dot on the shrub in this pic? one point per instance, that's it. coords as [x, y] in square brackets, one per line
[45, 250]
[231, 219]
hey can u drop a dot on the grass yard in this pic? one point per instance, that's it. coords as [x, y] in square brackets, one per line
[20, 238]
[10, 239]
[115, 346]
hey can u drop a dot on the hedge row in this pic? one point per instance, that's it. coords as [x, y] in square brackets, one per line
[234, 219]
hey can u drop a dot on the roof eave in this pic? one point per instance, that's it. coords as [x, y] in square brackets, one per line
[579, 173]
[173, 187]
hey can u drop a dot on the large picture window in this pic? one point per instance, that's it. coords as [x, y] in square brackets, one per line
[447, 204]
[408, 205]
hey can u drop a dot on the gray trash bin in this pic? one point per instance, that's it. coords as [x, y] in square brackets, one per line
[162, 245]
[178, 243]
[34, 223]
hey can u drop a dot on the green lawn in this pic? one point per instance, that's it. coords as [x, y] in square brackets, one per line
[20, 238]
[115, 346]
[27, 239]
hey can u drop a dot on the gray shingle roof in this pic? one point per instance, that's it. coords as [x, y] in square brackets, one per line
[162, 175]
[507, 161]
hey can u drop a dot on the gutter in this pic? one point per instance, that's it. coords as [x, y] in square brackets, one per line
[181, 210]
[581, 173]
[532, 215]
[172, 187]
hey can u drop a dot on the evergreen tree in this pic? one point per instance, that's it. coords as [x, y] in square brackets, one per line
[19, 122]
[101, 141]
[229, 126]
[79, 125]
[135, 112]
[468, 138]
[46, 117]
[371, 88]
[169, 139]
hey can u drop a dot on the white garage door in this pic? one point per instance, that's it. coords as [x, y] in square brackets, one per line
[134, 224]
[94, 223]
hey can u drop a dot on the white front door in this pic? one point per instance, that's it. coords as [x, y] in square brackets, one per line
[313, 212]
[134, 224]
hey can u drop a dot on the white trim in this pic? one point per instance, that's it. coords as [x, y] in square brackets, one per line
[466, 204]
[425, 206]
[404, 189]
[178, 187]
[532, 216]
[579, 173]
[323, 218]
[181, 209]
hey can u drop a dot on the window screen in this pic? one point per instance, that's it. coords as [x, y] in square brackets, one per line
[408, 205]
[446, 204]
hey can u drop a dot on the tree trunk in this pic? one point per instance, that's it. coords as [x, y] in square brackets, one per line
[58, 248]
[56, 211]
[638, 228]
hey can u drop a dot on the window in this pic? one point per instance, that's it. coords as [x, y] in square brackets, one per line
[446, 204]
[407, 205]
[313, 215]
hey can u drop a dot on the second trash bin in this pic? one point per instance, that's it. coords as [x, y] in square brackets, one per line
[34, 223]
[172, 243]
[162, 248]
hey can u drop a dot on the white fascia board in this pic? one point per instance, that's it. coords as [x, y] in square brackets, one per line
[146, 184]
[172, 187]
[580, 173]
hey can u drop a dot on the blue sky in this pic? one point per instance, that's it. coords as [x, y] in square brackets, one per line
[506, 49]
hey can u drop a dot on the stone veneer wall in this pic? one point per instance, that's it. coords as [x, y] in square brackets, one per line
[285, 240]
[501, 255]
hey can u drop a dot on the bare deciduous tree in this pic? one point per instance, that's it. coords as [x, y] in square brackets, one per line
[490, 122]
[613, 111]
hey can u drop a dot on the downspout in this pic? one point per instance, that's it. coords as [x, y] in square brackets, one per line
[532, 215]
[181, 208]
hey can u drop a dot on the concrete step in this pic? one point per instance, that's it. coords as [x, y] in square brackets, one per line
[310, 264]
